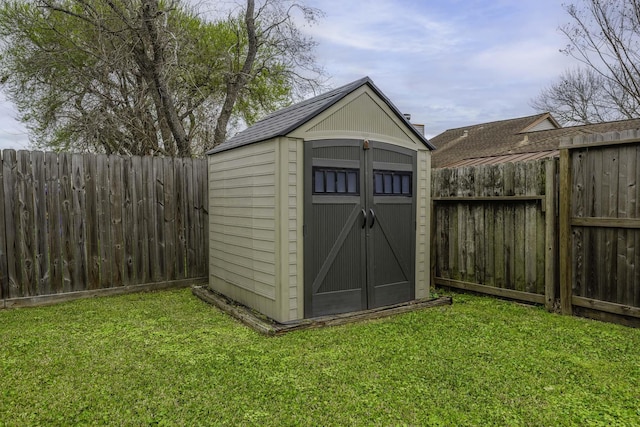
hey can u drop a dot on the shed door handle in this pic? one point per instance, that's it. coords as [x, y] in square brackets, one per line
[373, 217]
[364, 218]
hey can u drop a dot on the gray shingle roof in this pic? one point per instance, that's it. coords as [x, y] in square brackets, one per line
[284, 121]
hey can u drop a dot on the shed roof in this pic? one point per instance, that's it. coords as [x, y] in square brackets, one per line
[284, 121]
[504, 138]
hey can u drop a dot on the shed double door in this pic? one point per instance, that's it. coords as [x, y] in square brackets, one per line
[359, 229]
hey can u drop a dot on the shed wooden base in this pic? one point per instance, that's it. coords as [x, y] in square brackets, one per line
[267, 326]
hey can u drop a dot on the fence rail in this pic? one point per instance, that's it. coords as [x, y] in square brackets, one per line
[84, 222]
[494, 225]
[493, 229]
[599, 221]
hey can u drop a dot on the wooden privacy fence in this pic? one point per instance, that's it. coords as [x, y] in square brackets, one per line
[600, 223]
[494, 229]
[84, 222]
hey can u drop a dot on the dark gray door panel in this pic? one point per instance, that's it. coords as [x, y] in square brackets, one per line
[359, 242]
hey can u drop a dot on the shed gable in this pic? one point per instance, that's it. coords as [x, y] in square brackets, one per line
[360, 114]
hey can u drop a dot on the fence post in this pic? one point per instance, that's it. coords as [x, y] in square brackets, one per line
[565, 232]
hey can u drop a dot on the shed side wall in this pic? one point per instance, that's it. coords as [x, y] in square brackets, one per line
[242, 225]
[290, 200]
[423, 227]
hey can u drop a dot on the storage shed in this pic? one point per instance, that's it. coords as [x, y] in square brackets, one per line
[322, 208]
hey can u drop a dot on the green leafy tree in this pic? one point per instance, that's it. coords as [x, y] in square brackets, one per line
[146, 76]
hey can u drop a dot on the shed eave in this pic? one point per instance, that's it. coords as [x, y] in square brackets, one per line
[324, 107]
[221, 148]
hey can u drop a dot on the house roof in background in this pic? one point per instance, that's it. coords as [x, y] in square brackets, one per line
[284, 121]
[506, 140]
[505, 158]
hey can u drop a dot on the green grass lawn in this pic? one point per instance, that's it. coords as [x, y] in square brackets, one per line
[167, 358]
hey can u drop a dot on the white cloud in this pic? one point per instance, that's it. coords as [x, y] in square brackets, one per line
[524, 59]
[449, 63]
[383, 27]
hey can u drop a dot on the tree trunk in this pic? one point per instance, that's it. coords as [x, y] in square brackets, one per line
[154, 68]
[237, 81]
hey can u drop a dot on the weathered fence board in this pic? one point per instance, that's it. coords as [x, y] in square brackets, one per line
[66, 221]
[591, 251]
[600, 226]
[104, 220]
[91, 224]
[202, 225]
[190, 246]
[40, 218]
[158, 180]
[149, 217]
[52, 206]
[128, 221]
[9, 176]
[551, 236]
[78, 223]
[117, 230]
[169, 220]
[4, 276]
[180, 219]
[79, 242]
[600, 255]
[26, 223]
[140, 238]
[491, 229]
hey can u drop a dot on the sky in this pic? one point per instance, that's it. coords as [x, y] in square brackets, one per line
[448, 63]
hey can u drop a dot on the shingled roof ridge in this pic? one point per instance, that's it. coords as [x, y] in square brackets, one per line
[540, 115]
[602, 123]
[334, 92]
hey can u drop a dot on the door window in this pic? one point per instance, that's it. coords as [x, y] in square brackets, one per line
[336, 181]
[392, 183]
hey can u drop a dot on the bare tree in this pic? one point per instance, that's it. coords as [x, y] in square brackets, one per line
[581, 96]
[604, 36]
